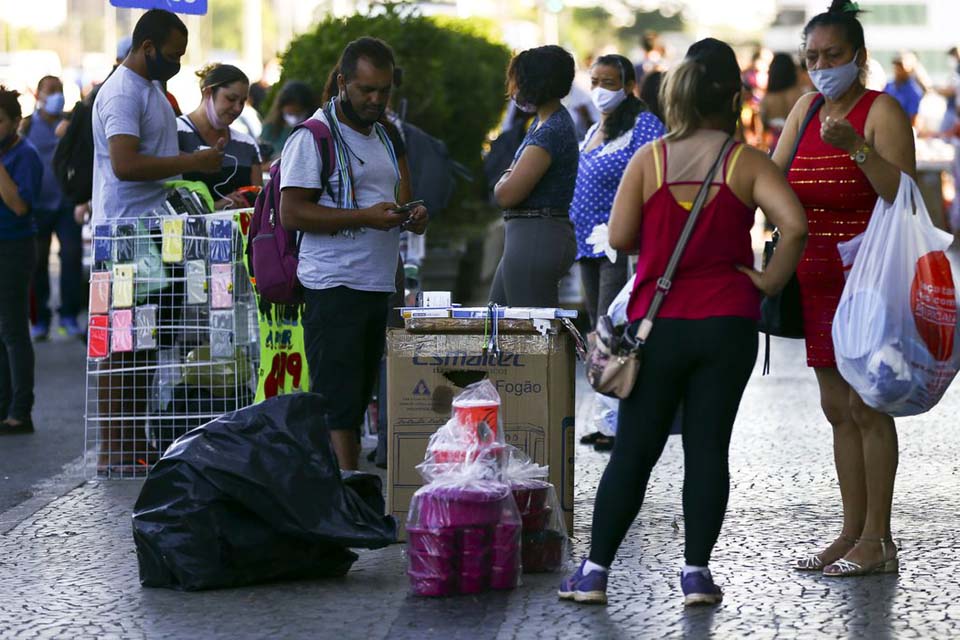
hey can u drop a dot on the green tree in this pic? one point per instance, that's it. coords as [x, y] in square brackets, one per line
[453, 69]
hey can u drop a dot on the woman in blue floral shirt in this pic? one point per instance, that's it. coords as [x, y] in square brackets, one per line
[625, 125]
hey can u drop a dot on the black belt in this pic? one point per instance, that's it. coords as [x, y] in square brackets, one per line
[546, 212]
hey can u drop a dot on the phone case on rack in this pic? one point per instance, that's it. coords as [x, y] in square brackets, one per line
[175, 202]
[102, 243]
[99, 292]
[194, 238]
[221, 285]
[221, 234]
[122, 286]
[191, 201]
[98, 336]
[146, 323]
[121, 330]
[172, 240]
[124, 243]
[221, 334]
[196, 272]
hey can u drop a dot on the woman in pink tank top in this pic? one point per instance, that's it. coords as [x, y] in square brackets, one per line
[703, 344]
[853, 150]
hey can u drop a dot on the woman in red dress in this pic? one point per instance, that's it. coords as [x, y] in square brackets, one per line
[857, 153]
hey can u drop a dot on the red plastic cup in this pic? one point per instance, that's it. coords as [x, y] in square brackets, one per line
[432, 587]
[473, 582]
[531, 496]
[475, 539]
[434, 542]
[506, 534]
[536, 521]
[426, 565]
[471, 413]
[475, 563]
[503, 579]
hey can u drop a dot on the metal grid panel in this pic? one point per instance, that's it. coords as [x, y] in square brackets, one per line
[173, 336]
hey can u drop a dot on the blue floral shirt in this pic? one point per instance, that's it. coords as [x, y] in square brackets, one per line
[599, 176]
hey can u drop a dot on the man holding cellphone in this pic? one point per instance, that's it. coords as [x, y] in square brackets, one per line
[351, 238]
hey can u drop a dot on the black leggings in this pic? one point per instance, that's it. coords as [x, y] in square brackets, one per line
[705, 364]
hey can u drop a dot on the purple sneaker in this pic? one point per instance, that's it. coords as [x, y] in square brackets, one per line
[590, 588]
[698, 588]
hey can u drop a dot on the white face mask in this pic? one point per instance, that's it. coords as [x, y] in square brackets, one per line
[606, 100]
[833, 83]
[292, 119]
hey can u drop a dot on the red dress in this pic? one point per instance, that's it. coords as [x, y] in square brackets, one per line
[838, 200]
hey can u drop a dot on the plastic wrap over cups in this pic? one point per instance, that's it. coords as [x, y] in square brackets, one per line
[895, 326]
[543, 534]
[464, 527]
[474, 432]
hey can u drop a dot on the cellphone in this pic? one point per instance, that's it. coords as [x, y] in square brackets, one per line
[406, 208]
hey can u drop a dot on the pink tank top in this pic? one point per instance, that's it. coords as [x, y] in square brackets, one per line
[706, 283]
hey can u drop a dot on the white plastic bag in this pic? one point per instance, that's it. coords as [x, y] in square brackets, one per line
[895, 325]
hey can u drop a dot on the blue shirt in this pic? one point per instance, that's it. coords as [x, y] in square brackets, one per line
[599, 176]
[43, 136]
[907, 94]
[558, 136]
[23, 164]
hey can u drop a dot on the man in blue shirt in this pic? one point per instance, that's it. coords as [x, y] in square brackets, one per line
[54, 214]
[904, 87]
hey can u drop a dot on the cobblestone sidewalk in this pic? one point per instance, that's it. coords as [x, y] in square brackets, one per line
[70, 570]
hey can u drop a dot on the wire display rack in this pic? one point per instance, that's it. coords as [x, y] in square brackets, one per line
[173, 336]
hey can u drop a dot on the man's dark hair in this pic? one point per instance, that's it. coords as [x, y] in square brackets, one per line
[45, 78]
[376, 51]
[155, 25]
[10, 103]
[541, 74]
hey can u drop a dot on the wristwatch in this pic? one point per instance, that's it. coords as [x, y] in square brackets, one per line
[860, 155]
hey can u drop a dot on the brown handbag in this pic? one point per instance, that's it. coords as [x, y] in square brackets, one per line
[614, 356]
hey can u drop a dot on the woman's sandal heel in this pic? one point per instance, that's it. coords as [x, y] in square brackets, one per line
[844, 568]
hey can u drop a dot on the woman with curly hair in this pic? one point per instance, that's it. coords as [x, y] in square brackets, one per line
[536, 191]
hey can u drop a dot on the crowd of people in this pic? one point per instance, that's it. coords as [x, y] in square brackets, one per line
[635, 171]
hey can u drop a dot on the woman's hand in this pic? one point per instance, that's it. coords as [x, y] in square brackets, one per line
[760, 280]
[841, 134]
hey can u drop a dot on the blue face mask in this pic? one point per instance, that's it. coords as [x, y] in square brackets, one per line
[53, 104]
[834, 82]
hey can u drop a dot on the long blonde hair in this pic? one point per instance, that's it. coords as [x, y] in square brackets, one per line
[689, 96]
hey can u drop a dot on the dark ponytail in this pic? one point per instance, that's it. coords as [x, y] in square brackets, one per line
[624, 117]
[843, 14]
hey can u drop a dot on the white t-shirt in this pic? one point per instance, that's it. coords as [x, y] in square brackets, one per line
[129, 104]
[363, 259]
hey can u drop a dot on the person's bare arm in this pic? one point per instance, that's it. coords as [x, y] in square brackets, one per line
[10, 194]
[519, 181]
[773, 194]
[890, 137]
[791, 129]
[131, 165]
[299, 211]
[627, 208]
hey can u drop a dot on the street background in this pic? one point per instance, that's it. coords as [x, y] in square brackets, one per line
[70, 571]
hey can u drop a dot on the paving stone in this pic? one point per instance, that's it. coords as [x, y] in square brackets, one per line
[70, 571]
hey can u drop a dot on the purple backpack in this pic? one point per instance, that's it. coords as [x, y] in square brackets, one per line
[273, 253]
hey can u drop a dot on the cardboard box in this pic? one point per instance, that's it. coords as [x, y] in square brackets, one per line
[433, 360]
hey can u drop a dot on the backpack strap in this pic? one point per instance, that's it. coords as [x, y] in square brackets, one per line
[323, 138]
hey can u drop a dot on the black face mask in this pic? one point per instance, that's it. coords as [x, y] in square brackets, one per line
[355, 117]
[159, 68]
[7, 142]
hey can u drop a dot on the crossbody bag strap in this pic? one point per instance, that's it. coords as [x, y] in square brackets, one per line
[812, 111]
[665, 281]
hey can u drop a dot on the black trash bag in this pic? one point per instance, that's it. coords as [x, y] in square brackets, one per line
[254, 496]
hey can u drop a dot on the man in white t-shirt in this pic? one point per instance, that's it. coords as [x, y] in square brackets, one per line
[135, 128]
[351, 238]
[135, 152]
